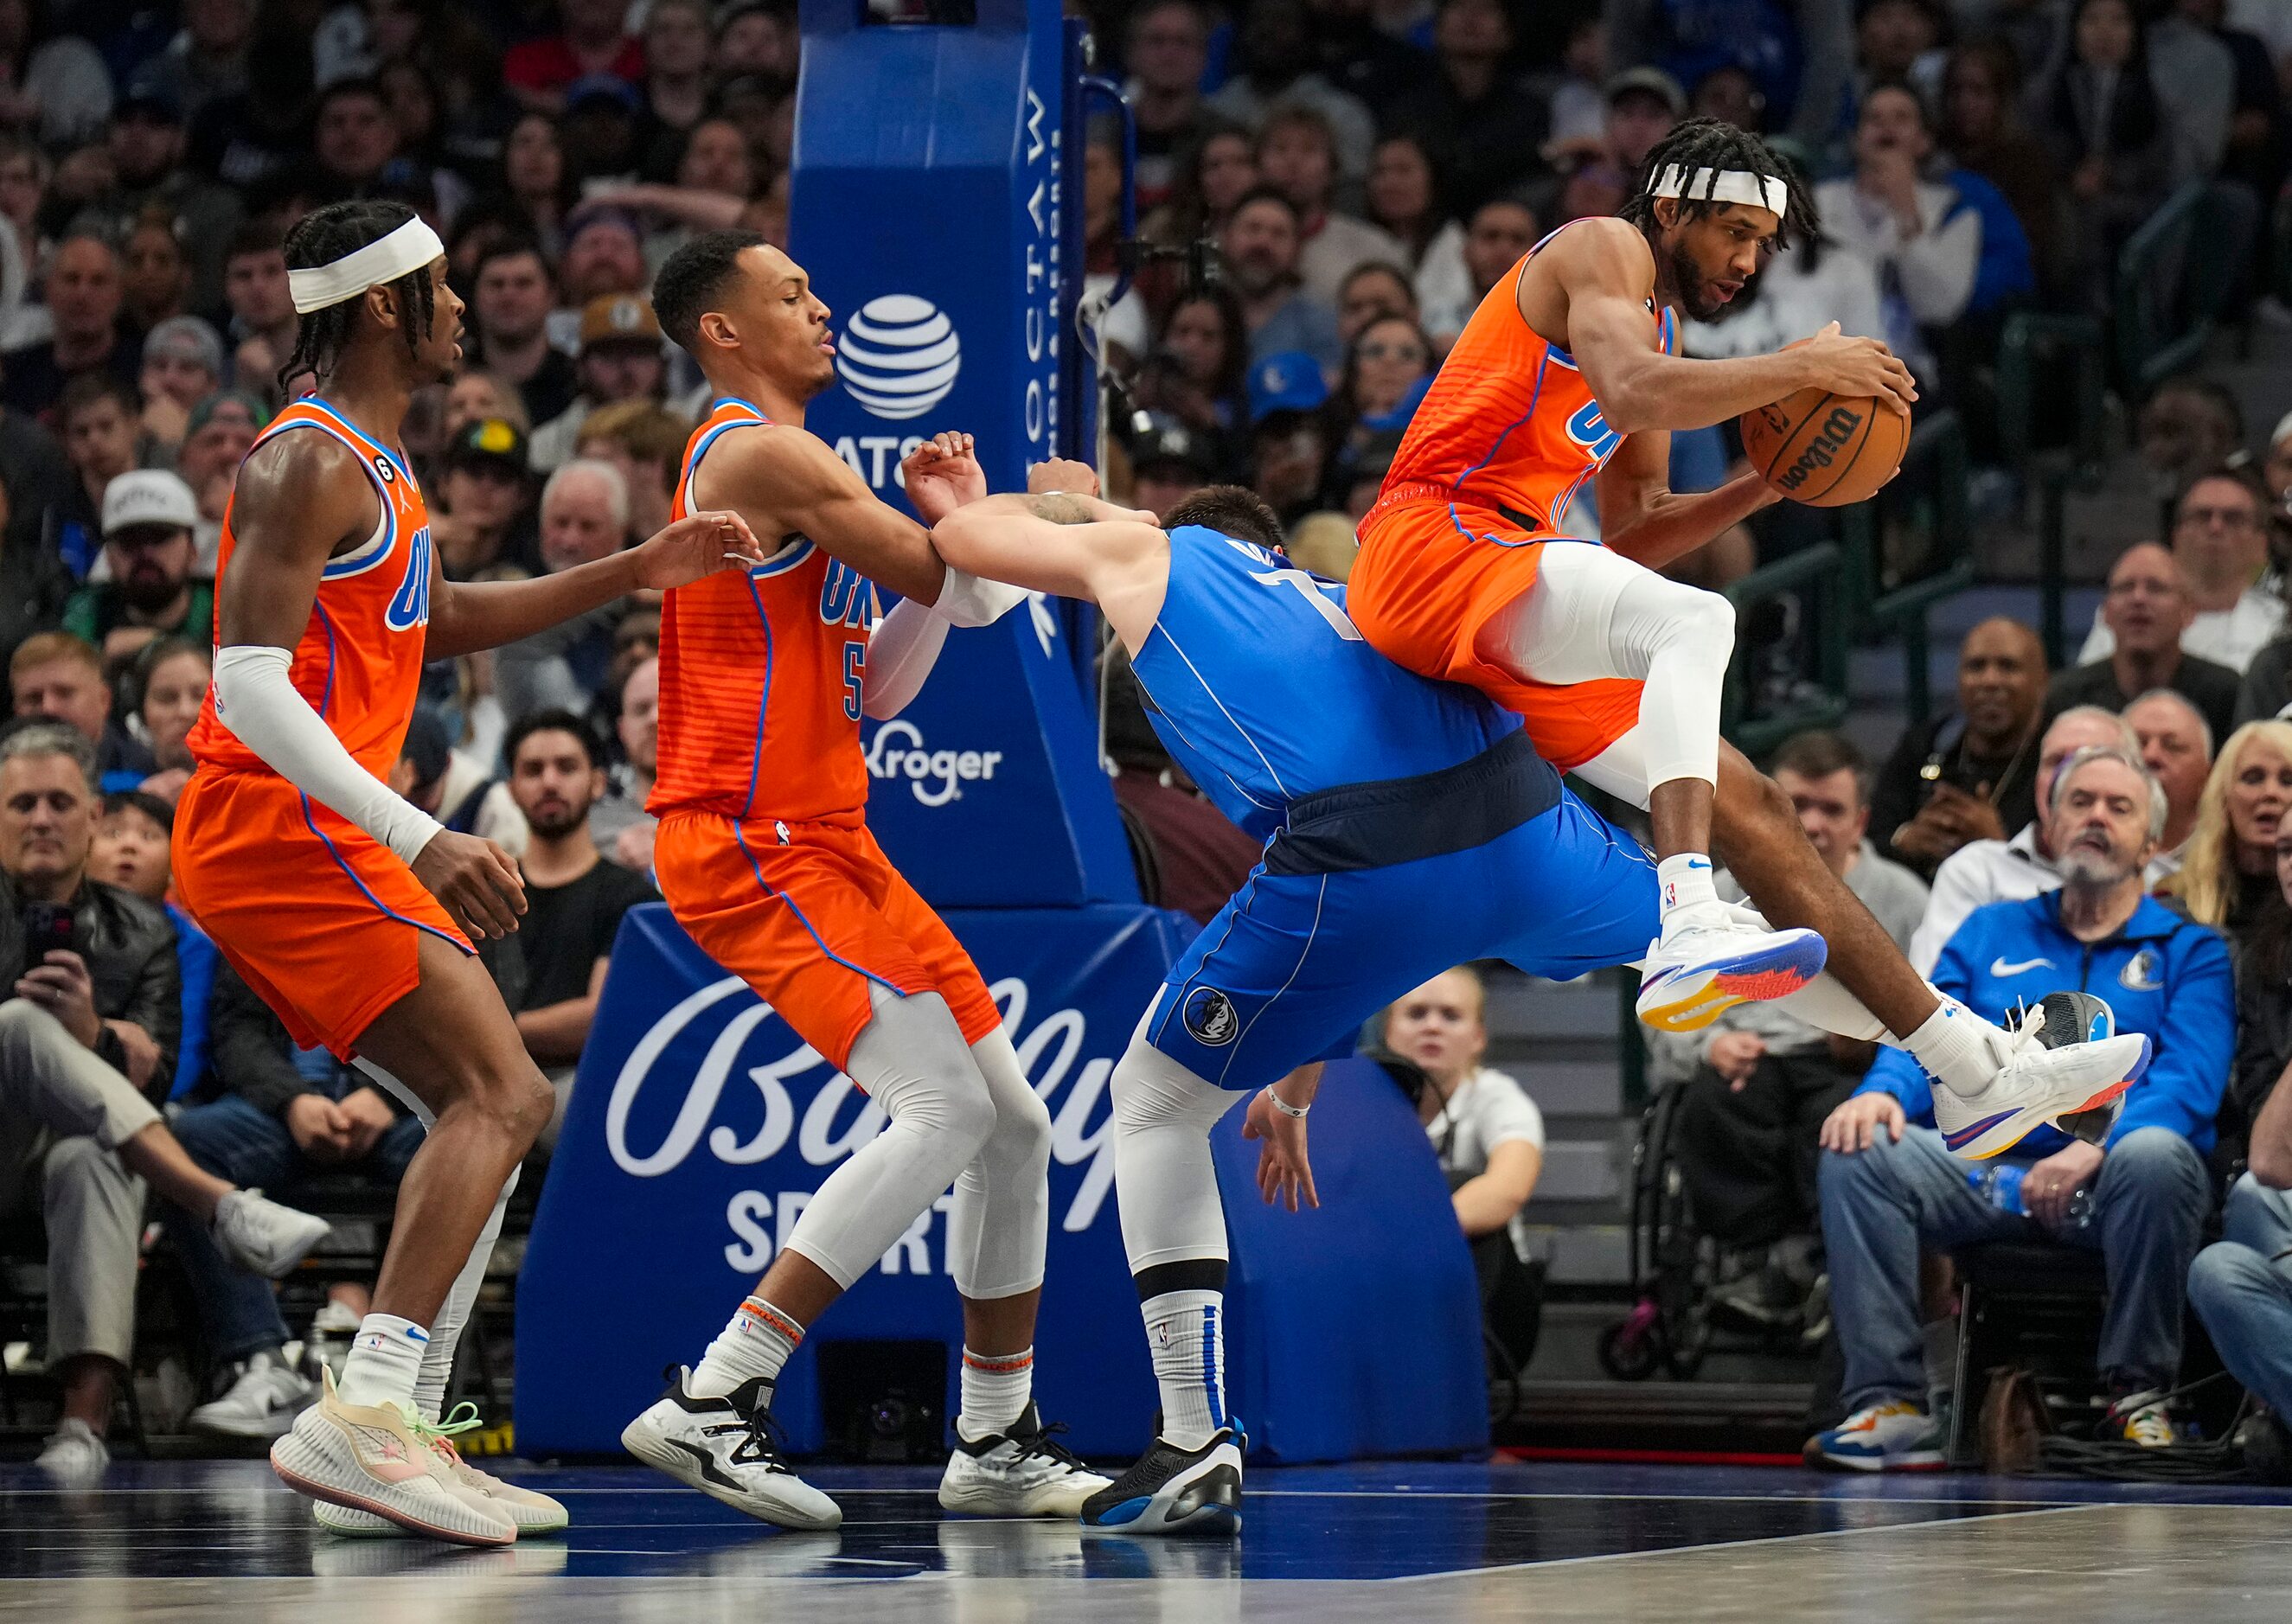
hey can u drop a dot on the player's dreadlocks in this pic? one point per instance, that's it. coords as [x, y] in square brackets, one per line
[326, 235]
[1714, 144]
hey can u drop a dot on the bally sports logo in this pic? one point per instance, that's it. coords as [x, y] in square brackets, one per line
[1837, 434]
[807, 1104]
[899, 356]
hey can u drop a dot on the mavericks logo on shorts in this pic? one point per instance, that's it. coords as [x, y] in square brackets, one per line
[1210, 1016]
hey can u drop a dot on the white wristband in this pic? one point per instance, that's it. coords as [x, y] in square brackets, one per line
[1284, 1106]
[966, 600]
[255, 698]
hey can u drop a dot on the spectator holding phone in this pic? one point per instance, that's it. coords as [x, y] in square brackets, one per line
[87, 1041]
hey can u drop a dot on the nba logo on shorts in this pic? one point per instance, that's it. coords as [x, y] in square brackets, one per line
[1210, 1016]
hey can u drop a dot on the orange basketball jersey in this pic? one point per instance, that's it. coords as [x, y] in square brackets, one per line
[358, 663]
[1509, 424]
[760, 676]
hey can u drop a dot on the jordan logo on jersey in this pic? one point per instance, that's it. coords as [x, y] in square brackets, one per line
[1588, 429]
[409, 606]
[845, 596]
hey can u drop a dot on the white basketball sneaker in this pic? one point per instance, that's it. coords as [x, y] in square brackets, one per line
[1705, 962]
[535, 1513]
[2035, 1086]
[1022, 1471]
[730, 1449]
[376, 1458]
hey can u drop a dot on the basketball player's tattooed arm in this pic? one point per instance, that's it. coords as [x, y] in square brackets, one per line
[468, 616]
[1588, 290]
[1645, 521]
[1074, 546]
[300, 499]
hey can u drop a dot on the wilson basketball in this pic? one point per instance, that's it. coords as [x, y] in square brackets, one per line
[1825, 450]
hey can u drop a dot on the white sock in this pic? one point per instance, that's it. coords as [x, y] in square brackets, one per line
[758, 1342]
[1686, 877]
[385, 1361]
[1954, 1046]
[1185, 1331]
[995, 1389]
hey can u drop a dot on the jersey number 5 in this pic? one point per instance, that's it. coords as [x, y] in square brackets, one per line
[855, 674]
[1311, 590]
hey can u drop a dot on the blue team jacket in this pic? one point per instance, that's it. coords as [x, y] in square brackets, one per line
[2012, 953]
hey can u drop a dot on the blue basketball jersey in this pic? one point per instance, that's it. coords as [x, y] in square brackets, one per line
[1267, 693]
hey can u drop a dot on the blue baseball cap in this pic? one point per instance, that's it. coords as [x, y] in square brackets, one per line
[1290, 381]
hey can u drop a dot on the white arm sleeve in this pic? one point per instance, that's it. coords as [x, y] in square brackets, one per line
[900, 654]
[966, 600]
[257, 699]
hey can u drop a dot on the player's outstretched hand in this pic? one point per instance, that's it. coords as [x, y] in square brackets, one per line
[1284, 1172]
[475, 880]
[1062, 474]
[1848, 366]
[696, 545]
[942, 474]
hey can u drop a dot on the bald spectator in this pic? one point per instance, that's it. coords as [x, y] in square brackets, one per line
[85, 298]
[1970, 773]
[59, 677]
[2146, 611]
[618, 823]
[2177, 747]
[1984, 872]
[585, 516]
[2220, 535]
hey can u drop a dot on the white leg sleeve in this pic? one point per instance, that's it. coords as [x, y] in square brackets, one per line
[454, 1316]
[1000, 1222]
[1593, 613]
[1163, 1179]
[912, 1060]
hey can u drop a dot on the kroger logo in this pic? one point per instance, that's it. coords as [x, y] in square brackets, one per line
[936, 775]
[816, 1114]
[899, 356]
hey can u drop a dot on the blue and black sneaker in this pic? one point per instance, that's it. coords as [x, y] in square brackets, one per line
[1173, 1490]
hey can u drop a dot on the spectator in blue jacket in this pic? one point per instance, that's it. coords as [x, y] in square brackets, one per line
[1890, 1185]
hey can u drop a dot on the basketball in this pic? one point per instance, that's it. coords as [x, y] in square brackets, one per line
[1825, 450]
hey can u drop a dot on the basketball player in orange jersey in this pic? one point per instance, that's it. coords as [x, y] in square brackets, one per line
[1567, 375]
[764, 856]
[348, 910]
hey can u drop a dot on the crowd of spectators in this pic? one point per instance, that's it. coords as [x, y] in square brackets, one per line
[1368, 170]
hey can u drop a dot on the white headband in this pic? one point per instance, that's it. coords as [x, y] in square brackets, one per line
[1722, 186]
[410, 247]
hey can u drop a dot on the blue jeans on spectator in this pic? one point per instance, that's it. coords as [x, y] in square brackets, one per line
[253, 1149]
[2241, 1288]
[1878, 1205]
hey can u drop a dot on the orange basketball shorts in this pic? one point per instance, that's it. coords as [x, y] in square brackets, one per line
[1431, 575]
[811, 916]
[323, 920]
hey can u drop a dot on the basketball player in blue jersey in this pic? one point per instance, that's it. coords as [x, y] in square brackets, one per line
[1373, 789]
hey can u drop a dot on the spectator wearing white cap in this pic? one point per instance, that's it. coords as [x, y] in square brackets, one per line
[148, 515]
[621, 359]
[183, 365]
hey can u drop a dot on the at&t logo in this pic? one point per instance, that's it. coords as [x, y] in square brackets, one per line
[898, 356]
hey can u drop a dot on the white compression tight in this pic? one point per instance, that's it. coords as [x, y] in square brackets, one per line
[1593, 613]
[462, 1296]
[1165, 1182]
[958, 1115]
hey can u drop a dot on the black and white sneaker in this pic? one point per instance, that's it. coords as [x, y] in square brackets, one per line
[1022, 1472]
[1175, 1491]
[730, 1449]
